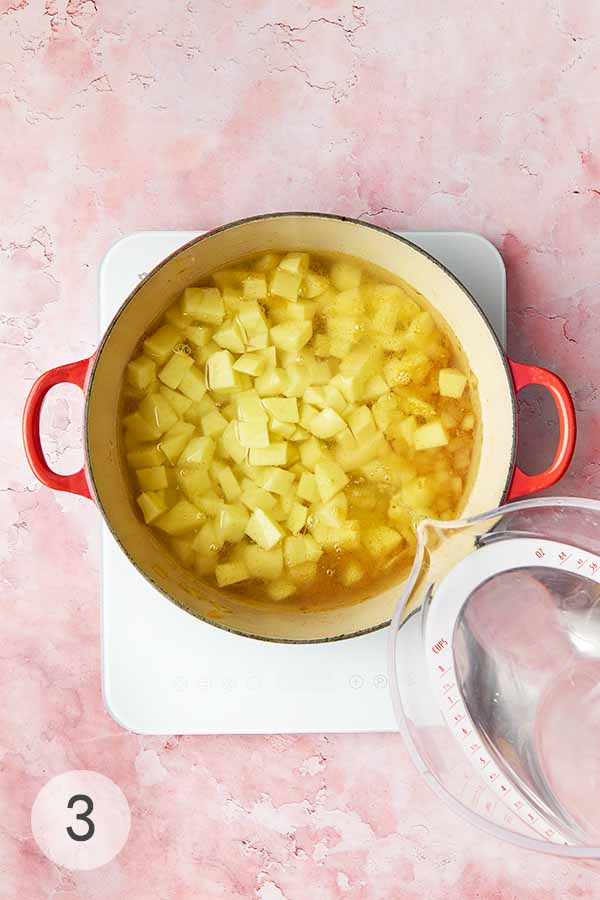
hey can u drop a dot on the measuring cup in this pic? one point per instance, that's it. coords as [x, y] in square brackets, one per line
[494, 668]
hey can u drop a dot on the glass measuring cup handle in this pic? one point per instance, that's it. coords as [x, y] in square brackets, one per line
[523, 375]
[72, 373]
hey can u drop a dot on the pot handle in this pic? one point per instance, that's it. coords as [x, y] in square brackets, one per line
[72, 373]
[523, 375]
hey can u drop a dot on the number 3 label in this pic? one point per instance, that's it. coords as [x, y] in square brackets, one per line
[84, 816]
[70, 813]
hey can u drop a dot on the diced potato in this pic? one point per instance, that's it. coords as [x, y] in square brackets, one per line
[285, 284]
[157, 412]
[175, 440]
[345, 275]
[330, 478]
[297, 518]
[291, 335]
[208, 541]
[311, 451]
[159, 345]
[176, 318]
[343, 332]
[230, 573]
[213, 423]
[384, 410]
[304, 573]
[351, 458]
[204, 303]
[232, 299]
[281, 429]
[326, 424]
[192, 384]
[430, 435]
[254, 287]
[259, 341]
[352, 387]
[283, 408]
[364, 360]
[345, 536]
[307, 488]
[179, 403]
[174, 370]
[385, 300]
[249, 407]
[255, 497]
[180, 519]
[468, 423]
[253, 434]
[263, 530]
[229, 444]
[265, 564]
[381, 540]
[141, 372]
[232, 522]
[297, 380]
[278, 481]
[314, 285]
[362, 423]
[210, 503]
[183, 549]
[219, 371]
[281, 589]
[198, 452]
[139, 429]
[274, 455]
[250, 363]
[198, 335]
[332, 513]
[230, 336]
[252, 318]
[420, 329]
[321, 345]
[152, 506]
[266, 262]
[271, 383]
[452, 383]
[407, 428]
[193, 482]
[227, 481]
[299, 549]
[295, 262]
[351, 572]
[203, 354]
[145, 456]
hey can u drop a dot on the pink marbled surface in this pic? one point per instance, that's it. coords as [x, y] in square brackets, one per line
[119, 116]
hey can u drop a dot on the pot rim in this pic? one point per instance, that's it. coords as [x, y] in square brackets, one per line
[227, 227]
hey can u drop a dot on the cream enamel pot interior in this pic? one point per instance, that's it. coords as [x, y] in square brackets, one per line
[493, 477]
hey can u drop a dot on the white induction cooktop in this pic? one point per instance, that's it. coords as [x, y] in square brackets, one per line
[165, 672]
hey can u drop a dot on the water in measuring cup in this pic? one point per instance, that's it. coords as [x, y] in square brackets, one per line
[527, 660]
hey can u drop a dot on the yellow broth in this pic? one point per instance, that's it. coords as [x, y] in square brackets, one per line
[288, 422]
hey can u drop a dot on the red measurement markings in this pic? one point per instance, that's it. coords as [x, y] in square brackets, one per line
[474, 748]
[492, 776]
[594, 567]
[448, 686]
[540, 553]
[563, 556]
[505, 789]
[581, 563]
[483, 762]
